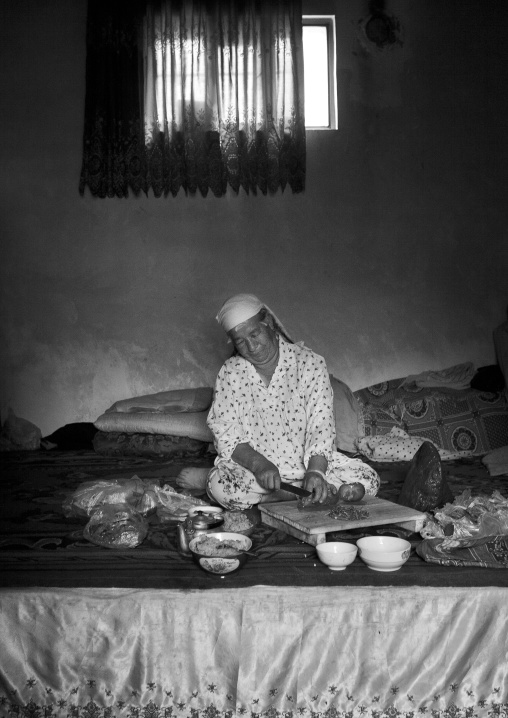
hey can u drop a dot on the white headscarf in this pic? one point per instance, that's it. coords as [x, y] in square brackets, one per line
[240, 307]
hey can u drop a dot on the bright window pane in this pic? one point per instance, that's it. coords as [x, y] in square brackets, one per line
[315, 54]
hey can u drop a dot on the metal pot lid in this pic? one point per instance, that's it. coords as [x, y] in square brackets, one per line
[200, 520]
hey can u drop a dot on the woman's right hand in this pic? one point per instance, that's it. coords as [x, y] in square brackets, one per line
[268, 475]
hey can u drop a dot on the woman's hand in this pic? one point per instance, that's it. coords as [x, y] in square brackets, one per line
[266, 473]
[319, 487]
[268, 476]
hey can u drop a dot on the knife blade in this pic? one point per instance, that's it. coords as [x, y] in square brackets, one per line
[294, 489]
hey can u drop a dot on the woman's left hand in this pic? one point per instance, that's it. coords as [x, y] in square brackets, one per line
[318, 486]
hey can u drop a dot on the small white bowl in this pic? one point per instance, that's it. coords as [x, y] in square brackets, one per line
[384, 553]
[336, 554]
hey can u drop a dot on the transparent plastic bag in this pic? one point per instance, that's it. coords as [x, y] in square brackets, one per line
[90, 495]
[144, 496]
[116, 526]
[468, 519]
[173, 505]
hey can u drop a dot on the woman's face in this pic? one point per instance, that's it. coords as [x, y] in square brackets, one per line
[256, 340]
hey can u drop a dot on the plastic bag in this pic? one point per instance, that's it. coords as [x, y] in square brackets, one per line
[144, 496]
[468, 519]
[116, 526]
[90, 495]
[173, 505]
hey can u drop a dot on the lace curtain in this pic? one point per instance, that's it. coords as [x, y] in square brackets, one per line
[193, 94]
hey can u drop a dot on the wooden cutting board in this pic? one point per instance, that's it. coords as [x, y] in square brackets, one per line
[311, 524]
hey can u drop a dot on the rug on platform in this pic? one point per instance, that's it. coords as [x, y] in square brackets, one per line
[40, 546]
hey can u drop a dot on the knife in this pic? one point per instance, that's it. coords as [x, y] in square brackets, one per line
[294, 489]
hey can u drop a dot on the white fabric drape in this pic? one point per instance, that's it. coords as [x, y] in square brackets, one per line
[220, 64]
[199, 95]
[223, 92]
[266, 651]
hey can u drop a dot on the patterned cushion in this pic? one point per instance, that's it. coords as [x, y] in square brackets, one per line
[455, 420]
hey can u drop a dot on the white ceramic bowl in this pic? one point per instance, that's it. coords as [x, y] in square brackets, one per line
[336, 554]
[216, 563]
[384, 553]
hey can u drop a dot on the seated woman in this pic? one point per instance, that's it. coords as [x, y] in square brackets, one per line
[272, 416]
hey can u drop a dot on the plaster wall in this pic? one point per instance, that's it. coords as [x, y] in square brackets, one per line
[393, 261]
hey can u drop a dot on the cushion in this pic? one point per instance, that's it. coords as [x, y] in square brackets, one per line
[347, 414]
[397, 445]
[167, 402]
[454, 420]
[192, 425]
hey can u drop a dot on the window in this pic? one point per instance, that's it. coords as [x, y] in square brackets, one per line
[196, 95]
[320, 74]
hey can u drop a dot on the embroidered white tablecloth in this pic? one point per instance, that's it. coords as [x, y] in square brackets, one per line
[263, 651]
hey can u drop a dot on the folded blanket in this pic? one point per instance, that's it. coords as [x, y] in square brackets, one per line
[167, 402]
[191, 424]
[455, 377]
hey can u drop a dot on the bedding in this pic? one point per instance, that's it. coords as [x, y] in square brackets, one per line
[114, 443]
[398, 445]
[192, 425]
[173, 423]
[458, 376]
[347, 416]
[468, 421]
[174, 413]
[385, 422]
[167, 402]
